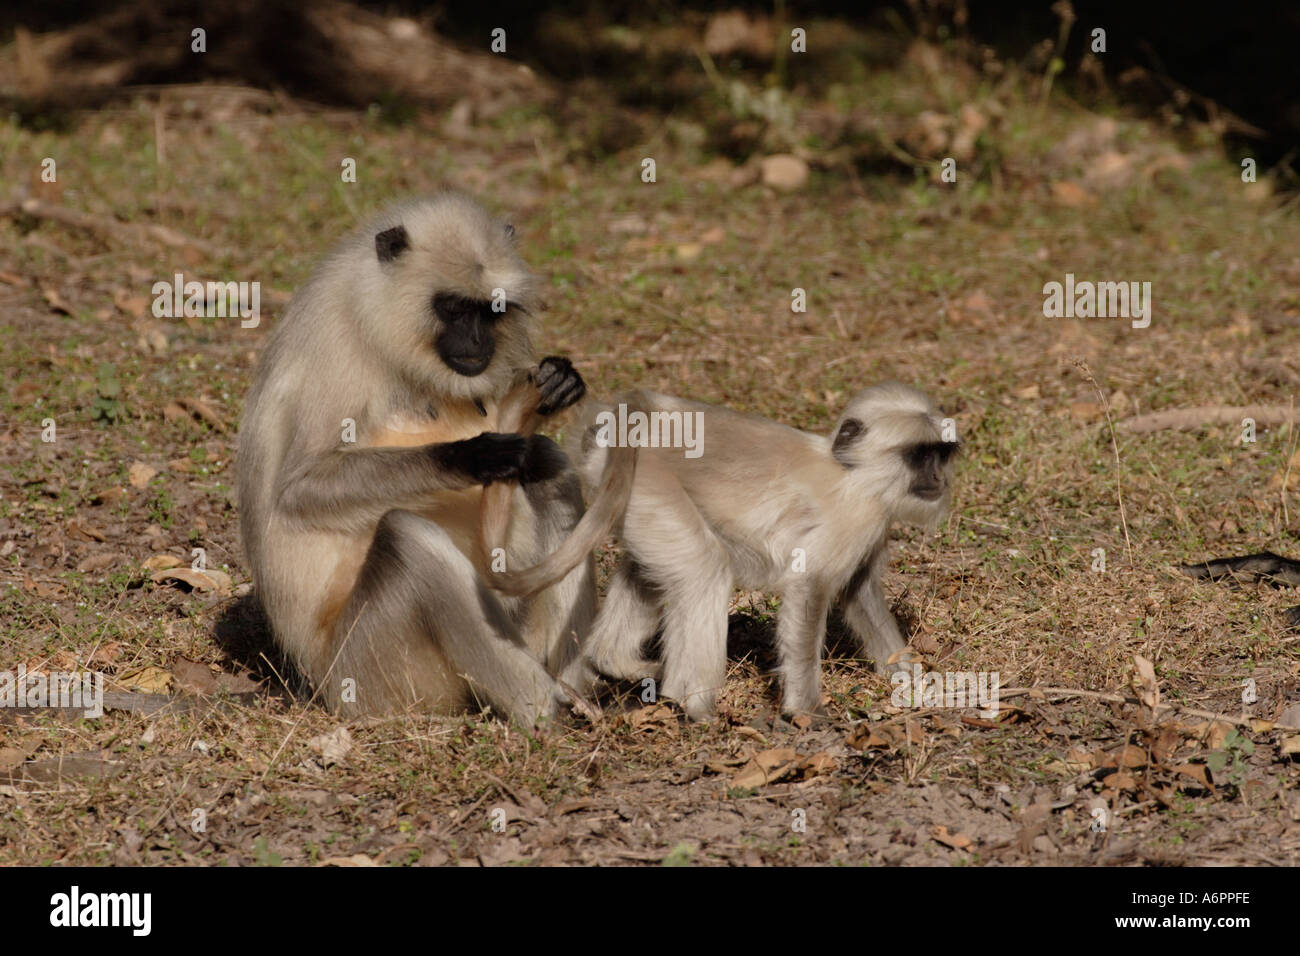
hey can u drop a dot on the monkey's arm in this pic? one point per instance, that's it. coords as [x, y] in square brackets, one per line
[867, 612]
[800, 634]
[346, 489]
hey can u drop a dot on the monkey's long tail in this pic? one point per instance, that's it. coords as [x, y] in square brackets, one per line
[606, 507]
[518, 414]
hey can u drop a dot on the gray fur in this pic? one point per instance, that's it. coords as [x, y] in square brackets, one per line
[695, 528]
[360, 552]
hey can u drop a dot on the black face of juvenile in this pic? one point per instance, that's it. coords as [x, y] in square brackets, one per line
[927, 461]
[465, 340]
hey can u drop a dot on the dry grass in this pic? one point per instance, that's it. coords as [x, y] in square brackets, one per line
[681, 286]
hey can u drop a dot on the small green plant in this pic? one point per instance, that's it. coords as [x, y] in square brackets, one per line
[160, 507]
[263, 855]
[680, 855]
[1237, 749]
[108, 407]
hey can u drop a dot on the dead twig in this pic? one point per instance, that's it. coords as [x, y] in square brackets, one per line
[1203, 416]
[101, 226]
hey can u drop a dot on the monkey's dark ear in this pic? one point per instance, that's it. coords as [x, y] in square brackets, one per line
[848, 433]
[391, 243]
[510, 231]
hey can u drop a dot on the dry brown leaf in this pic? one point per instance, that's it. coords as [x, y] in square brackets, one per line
[203, 410]
[653, 715]
[332, 747]
[11, 757]
[151, 680]
[133, 305]
[209, 580]
[1196, 772]
[161, 562]
[1213, 733]
[140, 474]
[1290, 745]
[1127, 756]
[56, 301]
[194, 676]
[105, 654]
[955, 841]
[79, 530]
[820, 762]
[724, 764]
[1072, 194]
[744, 730]
[1144, 682]
[766, 766]
[1122, 780]
[99, 562]
[886, 734]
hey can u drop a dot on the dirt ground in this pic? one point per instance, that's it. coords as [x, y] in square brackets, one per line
[212, 752]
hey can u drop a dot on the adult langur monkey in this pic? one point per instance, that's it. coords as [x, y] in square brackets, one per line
[367, 437]
[758, 505]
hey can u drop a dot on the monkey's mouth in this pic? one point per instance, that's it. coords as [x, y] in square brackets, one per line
[927, 492]
[468, 365]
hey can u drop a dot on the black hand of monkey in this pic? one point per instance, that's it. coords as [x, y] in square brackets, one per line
[543, 461]
[485, 458]
[559, 383]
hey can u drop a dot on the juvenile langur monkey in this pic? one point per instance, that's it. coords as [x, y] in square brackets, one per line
[763, 506]
[368, 435]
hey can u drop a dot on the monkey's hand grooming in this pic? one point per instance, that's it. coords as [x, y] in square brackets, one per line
[554, 384]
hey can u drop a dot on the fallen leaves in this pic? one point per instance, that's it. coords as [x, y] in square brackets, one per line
[779, 763]
[955, 841]
[139, 474]
[210, 579]
[151, 680]
[885, 735]
[332, 747]
[1144, 682]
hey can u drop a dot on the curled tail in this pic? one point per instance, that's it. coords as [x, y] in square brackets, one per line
[518, 414]
[608, 504]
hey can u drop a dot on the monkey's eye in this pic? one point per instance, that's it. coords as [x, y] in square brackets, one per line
[923, 455]
[455, 308]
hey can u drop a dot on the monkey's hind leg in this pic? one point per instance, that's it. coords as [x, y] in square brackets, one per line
[695, 639]
[627, 619]
[419, 624]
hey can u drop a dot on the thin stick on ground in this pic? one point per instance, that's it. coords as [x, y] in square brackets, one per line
[1082, 366]
[1061, 692]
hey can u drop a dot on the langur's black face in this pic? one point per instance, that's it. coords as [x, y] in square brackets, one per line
[465, 340]
[928, 463]
[464, 327]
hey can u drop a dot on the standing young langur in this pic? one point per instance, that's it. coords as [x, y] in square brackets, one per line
[758, 505]
[367, 438]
